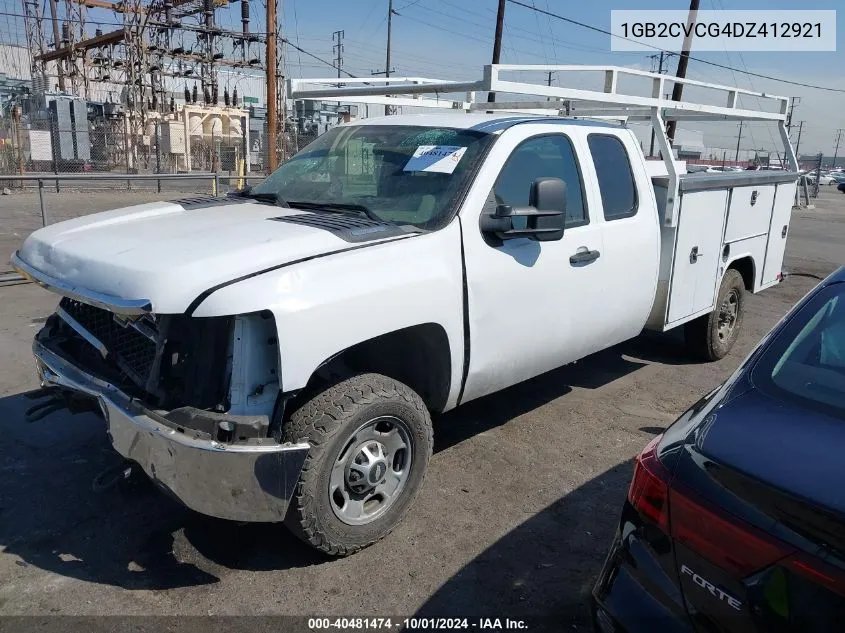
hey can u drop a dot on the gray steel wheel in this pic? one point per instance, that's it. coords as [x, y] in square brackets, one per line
[712, 336]
[371, 470]
[371, 440]
[728, 313]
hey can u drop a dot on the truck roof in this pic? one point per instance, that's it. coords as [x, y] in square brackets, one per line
[480, 121]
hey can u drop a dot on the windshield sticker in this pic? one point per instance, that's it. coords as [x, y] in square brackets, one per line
[441, 159]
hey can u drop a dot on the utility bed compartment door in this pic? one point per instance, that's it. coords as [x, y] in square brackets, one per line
[750, 212]
[698, 246]
[781, 214]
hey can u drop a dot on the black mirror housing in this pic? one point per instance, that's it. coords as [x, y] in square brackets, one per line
[544, 216]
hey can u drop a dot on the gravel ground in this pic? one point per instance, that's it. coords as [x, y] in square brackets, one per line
[516, 515]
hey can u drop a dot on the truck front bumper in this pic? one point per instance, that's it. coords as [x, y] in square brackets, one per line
[251, 481]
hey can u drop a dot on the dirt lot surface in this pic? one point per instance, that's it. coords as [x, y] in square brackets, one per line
[516, 515]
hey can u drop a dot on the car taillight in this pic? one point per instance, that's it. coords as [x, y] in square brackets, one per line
[722, 539]
[728, 542]
[649, 490]
[725, 541]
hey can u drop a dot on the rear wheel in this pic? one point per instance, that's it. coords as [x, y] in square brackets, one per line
[711, 337]
[371, 441]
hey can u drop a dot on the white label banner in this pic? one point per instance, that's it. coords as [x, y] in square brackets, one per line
[441, 159]
[731, 31]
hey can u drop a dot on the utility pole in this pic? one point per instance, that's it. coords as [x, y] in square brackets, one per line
[678, 89]
[337, 49]
[793, 101]
[388, 109]
[389, 33]
[272, 113]
[836, 150]
[57, 42]
[798, 143]
[497, 41]
[281, 80]
[659, 71]
[738, 139]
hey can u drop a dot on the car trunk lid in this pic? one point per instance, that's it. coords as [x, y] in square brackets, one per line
[757, 518]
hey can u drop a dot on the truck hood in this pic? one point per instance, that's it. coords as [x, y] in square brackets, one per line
[171, 252]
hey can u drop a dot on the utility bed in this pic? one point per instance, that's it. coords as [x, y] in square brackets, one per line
[720, 218]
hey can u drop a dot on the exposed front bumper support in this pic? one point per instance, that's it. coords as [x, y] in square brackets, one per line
[250, 481]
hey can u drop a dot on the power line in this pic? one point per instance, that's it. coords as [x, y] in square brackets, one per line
[657, 48]
[540, 33]
[509, 28]
[319, 59]
[296, 32]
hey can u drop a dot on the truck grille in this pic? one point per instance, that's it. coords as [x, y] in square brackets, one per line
[133, 351]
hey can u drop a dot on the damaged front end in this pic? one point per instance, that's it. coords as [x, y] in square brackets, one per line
[188, 399]
[178, 365]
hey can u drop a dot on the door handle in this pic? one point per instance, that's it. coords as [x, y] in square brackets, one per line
[694, 254]
[583, 256]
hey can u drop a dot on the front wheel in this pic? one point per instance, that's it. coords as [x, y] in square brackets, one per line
[371, 441]
[711, 337]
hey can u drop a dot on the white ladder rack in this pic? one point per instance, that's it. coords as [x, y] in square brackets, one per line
[610, 103]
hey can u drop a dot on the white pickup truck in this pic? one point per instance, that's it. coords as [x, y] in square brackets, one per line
[277, 354]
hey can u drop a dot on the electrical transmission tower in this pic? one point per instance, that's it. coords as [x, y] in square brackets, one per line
[35, 41]
[836, 150]
[337, 49]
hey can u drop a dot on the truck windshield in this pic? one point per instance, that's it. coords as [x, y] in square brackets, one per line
[397, 173]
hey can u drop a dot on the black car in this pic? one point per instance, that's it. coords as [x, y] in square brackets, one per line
[735, 517]
[841, 187]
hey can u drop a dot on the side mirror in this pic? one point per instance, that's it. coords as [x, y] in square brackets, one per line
[544, 217]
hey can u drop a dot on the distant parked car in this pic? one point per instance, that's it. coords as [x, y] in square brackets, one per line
[735, 518]
[694, 169]
[838, 177]
[723, 170]
[824, 179]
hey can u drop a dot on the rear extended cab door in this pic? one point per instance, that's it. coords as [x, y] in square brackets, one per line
[531, 307]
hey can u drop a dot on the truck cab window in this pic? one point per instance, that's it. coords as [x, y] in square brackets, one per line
[616, 181]
[543, 156]
[379, 168]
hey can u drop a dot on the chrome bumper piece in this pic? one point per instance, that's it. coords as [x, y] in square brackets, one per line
[243, 482]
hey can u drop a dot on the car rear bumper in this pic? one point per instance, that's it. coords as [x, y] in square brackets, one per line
[248, 481]
[622, 604]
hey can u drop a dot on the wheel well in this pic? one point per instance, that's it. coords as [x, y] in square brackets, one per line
[418, 356]
[745, 267]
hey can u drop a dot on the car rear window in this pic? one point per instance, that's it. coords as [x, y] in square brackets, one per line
[805, 362]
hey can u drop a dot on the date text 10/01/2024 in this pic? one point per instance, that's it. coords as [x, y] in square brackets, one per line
[417, 624]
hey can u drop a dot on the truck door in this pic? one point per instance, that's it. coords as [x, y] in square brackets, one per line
[531, 305]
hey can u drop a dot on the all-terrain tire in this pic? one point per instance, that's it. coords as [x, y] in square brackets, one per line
[704, 337]
[328, 422]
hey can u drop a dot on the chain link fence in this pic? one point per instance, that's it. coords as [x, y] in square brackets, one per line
[45, 153]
